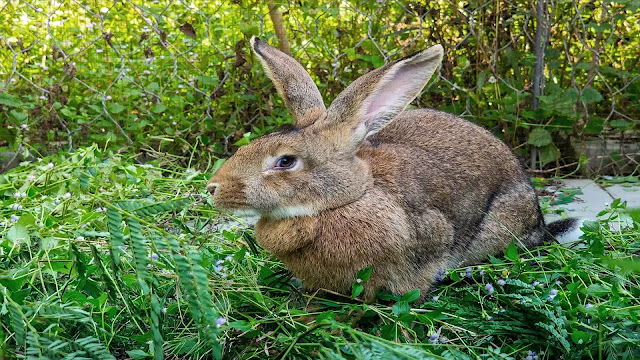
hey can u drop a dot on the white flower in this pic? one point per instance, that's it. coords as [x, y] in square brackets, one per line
[108, 97]
[164, 310]
[80, 36]
[80, 238]
[66, 196]
[146, 72]
[99, 51]
[31, 177]
[358, 280]
[492, 79]
[49, 166]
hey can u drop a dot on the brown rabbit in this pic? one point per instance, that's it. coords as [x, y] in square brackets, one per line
[364, 183]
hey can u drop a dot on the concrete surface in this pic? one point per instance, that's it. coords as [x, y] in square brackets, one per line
[594, 198]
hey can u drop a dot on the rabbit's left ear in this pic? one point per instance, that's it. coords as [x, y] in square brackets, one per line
[292, 81]
[374, 99]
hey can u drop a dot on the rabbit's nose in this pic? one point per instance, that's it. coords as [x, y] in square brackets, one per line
[212, 187]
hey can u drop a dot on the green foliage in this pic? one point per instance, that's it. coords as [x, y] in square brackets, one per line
[173, 76]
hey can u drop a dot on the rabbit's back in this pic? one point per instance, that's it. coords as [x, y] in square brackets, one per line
[434, 160]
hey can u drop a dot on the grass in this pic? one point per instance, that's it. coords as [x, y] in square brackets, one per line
[104, 258]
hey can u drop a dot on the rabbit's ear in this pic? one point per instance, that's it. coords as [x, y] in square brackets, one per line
[292, 81]
[374, 99]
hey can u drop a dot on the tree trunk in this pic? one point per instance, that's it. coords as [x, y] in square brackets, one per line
[278, 25]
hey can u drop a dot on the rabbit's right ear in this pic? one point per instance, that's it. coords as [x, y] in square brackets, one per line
[292, 81]
[374, 99]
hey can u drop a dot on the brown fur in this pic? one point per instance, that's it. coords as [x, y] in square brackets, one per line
[408, 193]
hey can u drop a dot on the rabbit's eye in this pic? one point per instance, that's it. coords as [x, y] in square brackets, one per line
[285, 162]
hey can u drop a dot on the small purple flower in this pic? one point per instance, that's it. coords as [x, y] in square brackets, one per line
[435, 298]
[154, 256]
[553, 292]
[501, 282]
[440, 275]
[433, 339]
[123, 247]
[536, 283]
[589, 306]
[443, 340]
[481, 272]
[468, 272]
[164, 310]
[221, 321]
[489, 288]
[14, 218]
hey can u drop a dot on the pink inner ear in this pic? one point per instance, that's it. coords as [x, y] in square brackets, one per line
[393, 93]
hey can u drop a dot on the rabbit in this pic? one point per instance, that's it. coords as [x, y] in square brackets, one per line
[366, 183]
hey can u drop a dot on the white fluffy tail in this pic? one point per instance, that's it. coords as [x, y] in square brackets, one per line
[566, 230]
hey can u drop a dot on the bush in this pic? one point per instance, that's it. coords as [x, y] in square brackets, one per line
[168, 75]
